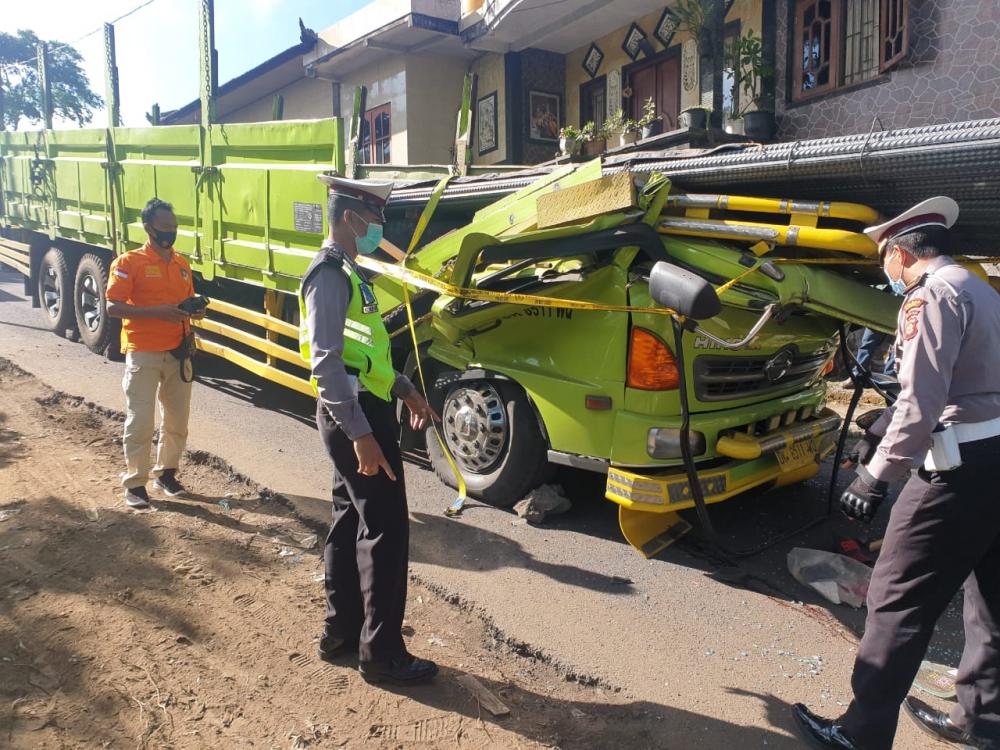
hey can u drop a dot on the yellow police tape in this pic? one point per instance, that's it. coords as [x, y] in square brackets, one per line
[425, 216]
[419, 280]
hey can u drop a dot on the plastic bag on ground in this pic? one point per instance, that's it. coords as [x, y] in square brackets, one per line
[838, 578]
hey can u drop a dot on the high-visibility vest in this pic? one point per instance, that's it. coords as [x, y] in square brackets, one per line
[367, 352]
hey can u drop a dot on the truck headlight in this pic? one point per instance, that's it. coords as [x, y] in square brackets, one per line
[665, 442]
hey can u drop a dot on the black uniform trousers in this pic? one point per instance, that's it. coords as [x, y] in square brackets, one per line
[367, 549]
[944, 529]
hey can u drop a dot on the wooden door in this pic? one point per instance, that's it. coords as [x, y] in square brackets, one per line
[661, 81]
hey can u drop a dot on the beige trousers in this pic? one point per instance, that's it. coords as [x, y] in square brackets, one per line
[151, 377]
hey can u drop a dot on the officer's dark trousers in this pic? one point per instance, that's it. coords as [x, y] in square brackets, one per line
[367, 548]
[943, 530]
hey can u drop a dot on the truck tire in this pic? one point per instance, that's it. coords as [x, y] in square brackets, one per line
[97, 330]
[55, 292]
[491, 430]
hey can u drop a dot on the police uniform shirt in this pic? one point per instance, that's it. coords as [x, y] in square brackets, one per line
[326, 296]
[948, 354]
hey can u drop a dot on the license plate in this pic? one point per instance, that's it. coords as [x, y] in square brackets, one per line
[798, 455]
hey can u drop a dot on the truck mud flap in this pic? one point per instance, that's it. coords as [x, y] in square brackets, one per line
[651, 533]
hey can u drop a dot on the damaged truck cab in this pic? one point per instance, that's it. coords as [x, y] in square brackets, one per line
[523, 386]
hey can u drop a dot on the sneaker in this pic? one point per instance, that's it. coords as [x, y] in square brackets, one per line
[136, 498]
[168, 484]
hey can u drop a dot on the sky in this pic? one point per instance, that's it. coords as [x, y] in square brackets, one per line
[157, 46]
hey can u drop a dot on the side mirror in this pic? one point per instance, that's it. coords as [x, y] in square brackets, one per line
[683, 291]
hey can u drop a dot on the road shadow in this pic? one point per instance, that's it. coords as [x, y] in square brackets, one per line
[225, 377]
[11, 447]
[592, 725]
[451, 543]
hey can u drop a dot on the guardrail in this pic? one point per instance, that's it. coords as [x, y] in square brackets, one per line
[271, 348]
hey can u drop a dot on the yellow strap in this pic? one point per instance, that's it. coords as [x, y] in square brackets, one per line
[425, 217]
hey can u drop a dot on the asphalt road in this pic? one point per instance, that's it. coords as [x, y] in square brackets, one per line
[723, 649]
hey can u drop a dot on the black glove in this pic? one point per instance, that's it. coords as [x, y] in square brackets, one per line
[863, 450]
[862, 498]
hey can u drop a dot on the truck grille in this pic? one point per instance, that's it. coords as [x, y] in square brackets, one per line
[721, 378]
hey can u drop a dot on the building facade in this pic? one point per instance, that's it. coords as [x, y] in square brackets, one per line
[839, 67]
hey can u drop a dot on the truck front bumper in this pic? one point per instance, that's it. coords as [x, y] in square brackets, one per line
[781, 457]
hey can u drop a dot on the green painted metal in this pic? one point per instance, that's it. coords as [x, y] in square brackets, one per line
[254, 213]
[111, 93]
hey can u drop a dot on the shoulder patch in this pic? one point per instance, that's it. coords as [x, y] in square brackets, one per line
[121, 273]
[911, 317]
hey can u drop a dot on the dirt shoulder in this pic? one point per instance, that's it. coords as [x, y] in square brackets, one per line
[196, 625]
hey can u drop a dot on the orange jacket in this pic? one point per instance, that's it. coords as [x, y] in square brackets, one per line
[142, 278]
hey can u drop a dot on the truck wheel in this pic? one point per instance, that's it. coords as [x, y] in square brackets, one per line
[491, 431]
[96, 328]
[55, 292]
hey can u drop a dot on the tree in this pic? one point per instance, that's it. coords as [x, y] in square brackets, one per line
[72, 97]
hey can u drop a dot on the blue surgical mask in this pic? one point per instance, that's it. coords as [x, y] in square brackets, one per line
[367, 244]
[897, 286]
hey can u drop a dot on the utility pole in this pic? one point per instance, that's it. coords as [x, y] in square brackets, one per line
[111, 77]
[44, 84]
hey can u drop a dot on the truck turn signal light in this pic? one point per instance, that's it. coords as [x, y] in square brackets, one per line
[651, 365]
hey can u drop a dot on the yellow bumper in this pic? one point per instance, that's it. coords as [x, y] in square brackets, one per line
[779, 458]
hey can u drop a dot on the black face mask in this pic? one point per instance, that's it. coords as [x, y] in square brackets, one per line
[164, 239]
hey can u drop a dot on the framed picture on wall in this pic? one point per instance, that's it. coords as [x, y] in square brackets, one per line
[633, 43]
[486, 123]
[592, 60]
[666, 27]
[543, 116]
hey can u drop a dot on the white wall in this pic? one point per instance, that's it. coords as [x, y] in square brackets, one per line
[434, 95]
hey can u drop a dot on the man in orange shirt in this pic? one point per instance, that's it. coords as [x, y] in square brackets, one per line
[145, 288]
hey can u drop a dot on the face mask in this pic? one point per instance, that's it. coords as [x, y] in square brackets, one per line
[164, 239]
[366, 245]
[898, 286]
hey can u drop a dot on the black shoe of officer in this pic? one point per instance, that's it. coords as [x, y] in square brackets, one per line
[940, 726]
[403, 670]
[137, 498]
[168, 484]
[337, 650]
[821, 733]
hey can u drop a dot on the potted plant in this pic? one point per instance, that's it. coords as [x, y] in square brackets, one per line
[750, 72]
[594, 139]
[625, 129]
[570, 141]
[694, 117]
[630, 132]
[650, 123]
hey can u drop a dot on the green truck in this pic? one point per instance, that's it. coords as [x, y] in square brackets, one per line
[523, 383]
[535, 297]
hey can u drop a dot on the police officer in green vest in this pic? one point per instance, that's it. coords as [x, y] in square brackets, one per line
[344, 339]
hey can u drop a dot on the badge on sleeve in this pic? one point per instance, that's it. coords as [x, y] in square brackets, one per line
[368, 302]
[911, 317]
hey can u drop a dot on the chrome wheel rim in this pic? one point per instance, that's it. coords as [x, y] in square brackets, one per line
[90, 303]
[475, 427]
[51, 300]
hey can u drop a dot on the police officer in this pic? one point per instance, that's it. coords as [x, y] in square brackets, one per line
[345, 341]
[944, 528]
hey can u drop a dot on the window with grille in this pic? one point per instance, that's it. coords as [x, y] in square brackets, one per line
[376, 136]
[845, 42]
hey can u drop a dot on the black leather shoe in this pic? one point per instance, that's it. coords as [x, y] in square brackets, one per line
[939, 725]
[403, 670]
[337, 650]
[821, 733]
